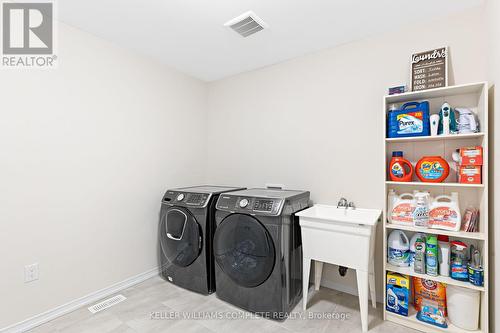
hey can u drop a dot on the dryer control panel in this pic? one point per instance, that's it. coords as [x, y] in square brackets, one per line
[250, 205]
[186, 199]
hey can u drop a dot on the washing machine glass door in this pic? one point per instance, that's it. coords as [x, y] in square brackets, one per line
[180, 236]
[244, 250]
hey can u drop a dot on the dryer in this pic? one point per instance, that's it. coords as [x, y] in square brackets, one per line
[185, 232]
[258, 250]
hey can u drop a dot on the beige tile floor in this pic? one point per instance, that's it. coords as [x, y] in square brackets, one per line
[156, 296]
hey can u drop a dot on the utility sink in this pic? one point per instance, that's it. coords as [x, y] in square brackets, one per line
[331, 215]
[341, 236]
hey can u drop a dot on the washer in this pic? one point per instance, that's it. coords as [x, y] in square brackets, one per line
[185, 232]
[258, 250]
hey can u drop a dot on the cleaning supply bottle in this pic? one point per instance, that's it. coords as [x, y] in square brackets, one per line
[400, 169]
[445, 213]
[421, 212]
[412, 246]
[458, 261]
[420, 253]
[402, 210]
[444, 255]
[431, 255]
[391, 200]
[398, 248]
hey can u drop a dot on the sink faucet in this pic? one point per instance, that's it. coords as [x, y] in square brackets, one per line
[342, 203]
[351, 205]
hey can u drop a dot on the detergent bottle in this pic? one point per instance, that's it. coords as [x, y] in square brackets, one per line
[402, 209]
[445, 213]
[391, 200]
[400, 169]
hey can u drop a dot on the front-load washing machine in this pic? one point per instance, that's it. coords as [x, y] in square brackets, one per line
[258, 250]
[185, 232]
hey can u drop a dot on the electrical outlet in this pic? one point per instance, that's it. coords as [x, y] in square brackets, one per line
[30, 273]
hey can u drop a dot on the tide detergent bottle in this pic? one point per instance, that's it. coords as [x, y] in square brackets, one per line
[400, 169]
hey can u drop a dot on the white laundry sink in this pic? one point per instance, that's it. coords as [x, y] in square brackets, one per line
[341, 236]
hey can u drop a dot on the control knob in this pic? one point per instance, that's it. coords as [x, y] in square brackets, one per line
[180, 197]
[243, 203]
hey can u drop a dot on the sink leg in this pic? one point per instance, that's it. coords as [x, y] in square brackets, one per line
[318, 271]
[362, 278]
[371, 283]
[306, 267]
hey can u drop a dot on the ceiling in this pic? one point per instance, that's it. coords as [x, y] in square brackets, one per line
[189, 34]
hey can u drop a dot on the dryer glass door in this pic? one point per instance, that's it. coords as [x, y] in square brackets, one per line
[180, 236]
[244, 250]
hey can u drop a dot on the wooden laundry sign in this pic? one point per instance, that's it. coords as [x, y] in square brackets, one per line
[429, 69]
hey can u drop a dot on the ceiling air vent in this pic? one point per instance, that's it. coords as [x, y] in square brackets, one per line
[246, 24]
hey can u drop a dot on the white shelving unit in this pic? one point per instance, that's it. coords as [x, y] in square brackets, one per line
[475, 97]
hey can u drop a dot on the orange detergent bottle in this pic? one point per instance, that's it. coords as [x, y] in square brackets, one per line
[400, 169]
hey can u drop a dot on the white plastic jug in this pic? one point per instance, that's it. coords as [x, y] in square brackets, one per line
[391, 200]
[463, 307]
[398, 248]
[445, 213]
[402, 210]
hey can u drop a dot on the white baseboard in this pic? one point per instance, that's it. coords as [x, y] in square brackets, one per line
[49, 315]
[346, 289]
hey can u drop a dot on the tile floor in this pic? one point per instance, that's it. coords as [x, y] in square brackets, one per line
[155, 297]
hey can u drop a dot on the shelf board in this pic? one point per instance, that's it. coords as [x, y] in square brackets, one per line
[439, 278]
[422, 184]
[457, 234]
[436, 138]
[464, 89]
[412, 322]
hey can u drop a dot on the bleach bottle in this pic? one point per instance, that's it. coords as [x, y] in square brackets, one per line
[398, 248]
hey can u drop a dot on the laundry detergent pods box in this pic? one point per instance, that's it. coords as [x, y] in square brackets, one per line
[398, 293]
[428, 290]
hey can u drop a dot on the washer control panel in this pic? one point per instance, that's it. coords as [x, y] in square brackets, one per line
[186, 199]
[250, 205]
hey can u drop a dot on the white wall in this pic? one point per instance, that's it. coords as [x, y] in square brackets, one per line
[86, 152]
[315, 122]
[493, 11]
